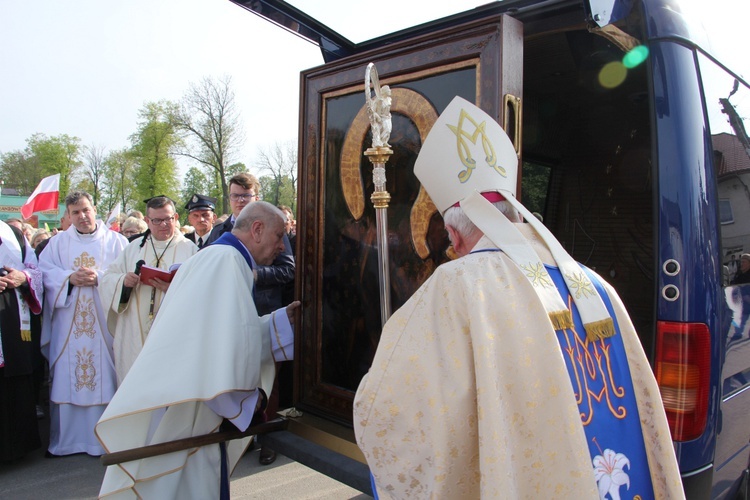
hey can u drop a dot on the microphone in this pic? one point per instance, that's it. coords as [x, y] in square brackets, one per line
[126, 290]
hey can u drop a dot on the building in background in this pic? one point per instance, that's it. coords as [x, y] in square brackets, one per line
[10, 207]
[733, 174]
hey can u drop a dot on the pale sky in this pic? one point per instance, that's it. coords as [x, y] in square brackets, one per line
[86, 67]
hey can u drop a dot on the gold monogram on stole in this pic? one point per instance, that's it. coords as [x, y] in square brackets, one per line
[591, 362]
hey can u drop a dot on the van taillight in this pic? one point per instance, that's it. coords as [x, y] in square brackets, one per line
[683, 370]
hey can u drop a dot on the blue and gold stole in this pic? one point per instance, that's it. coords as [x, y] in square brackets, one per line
[604, 392]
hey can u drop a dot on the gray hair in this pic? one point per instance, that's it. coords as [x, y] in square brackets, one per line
[135, 223]
[258, 210]
[76, 196]
[458, 220]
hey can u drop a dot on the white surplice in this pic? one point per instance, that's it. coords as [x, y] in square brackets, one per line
[75, 338]
[193, 370]
[131, 321]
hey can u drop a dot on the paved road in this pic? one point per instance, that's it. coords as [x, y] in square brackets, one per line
[79, 476]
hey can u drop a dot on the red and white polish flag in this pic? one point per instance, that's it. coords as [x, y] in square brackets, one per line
[112, 218]
[44, 197]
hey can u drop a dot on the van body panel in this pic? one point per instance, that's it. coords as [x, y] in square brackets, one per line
[569, 128]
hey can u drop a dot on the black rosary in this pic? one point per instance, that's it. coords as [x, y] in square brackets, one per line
[158, 260]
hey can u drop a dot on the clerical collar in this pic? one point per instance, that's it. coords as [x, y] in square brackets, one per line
[87, 234]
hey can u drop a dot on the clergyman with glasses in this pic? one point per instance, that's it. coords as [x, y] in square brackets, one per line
[131, 303]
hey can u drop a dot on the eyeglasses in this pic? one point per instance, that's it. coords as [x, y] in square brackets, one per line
[159, 222]
[242, 197]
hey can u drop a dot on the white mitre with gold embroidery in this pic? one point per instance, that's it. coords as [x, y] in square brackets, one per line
[467, 154]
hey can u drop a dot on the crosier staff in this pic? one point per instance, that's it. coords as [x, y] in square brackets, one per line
[379, 112]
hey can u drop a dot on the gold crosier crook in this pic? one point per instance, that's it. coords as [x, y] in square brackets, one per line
[379, 112]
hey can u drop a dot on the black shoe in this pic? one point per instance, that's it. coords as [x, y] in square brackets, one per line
[47, 454]
[267, 456]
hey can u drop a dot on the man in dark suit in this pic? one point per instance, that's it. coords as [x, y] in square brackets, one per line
[201, 215]
[270, 281]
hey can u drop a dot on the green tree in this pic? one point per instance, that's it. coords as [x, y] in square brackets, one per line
[209, 122]
[279, 164]
[119, 181]
[152, 148]
[278, 192]
[57, 155]
[195, 182]
[20, 170]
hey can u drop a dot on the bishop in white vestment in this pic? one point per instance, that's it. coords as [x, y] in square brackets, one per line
[512, 372]
[133, 309]
[75, 337]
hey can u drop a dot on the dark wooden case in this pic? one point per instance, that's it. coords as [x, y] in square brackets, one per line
[337, 269]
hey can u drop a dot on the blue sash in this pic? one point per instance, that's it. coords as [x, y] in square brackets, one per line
[232, 241]
[604, 392]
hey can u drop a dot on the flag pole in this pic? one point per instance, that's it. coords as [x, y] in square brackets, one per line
[379, 112]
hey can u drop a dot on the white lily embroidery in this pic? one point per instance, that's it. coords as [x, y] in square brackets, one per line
[608, 470]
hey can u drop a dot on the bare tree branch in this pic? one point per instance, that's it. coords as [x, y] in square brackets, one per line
[210, 123]
[93, 162]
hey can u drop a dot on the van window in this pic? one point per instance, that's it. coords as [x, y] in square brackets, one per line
[727, 105]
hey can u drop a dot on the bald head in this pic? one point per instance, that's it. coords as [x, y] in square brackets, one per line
[260, 227]
[258, 211]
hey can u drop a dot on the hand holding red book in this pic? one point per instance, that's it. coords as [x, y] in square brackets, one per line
[148, 273]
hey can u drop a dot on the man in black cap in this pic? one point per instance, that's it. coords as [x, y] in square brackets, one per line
[201, 215]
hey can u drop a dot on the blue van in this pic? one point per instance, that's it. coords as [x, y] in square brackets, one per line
[634, 151]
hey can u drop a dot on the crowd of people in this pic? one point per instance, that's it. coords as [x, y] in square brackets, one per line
[75, 308]
[484, 383]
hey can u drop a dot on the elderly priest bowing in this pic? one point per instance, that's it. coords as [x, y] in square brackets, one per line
[194, 371]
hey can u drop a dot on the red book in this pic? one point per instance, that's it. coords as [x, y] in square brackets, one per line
[148, 273]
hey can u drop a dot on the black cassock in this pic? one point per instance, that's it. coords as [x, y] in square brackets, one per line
[19, 432]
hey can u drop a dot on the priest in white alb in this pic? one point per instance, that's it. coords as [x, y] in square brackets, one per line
[131, 304]
[197, 371]
[75, 337]
[513, 371]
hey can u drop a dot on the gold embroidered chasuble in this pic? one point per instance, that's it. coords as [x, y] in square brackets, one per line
[130, 322]
[75, 337]
[468, 394]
